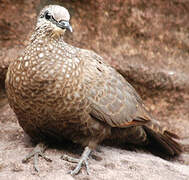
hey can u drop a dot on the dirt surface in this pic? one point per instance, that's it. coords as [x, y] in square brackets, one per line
[146, 41]
[108, 162]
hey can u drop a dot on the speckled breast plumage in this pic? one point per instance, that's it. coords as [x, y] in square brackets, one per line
[44, 87]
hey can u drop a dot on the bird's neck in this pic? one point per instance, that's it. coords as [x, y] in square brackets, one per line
[47, 34]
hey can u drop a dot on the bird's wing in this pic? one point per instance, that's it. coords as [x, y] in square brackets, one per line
[112, 99]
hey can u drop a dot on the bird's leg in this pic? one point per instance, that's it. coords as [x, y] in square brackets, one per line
[82, 161]
[36, 152]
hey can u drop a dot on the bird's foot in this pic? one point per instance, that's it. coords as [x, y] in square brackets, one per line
[82, 161]
[36, 152]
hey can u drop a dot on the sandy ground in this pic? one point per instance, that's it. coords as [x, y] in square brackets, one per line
[107, 162]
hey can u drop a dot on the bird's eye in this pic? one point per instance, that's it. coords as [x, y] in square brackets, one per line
[48, 15]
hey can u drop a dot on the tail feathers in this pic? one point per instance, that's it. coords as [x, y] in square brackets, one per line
[171, 135]
[163, 139]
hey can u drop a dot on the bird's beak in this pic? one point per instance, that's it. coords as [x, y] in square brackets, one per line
[65, 25]
[70, 28]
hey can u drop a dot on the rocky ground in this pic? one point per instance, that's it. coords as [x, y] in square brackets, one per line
[147, 42]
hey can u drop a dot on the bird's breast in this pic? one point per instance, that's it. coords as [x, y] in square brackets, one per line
[46, 83]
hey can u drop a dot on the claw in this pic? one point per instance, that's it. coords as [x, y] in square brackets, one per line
[82, 161]
[36, 152]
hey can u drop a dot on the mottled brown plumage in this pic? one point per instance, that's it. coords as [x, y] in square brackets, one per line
[60, 91]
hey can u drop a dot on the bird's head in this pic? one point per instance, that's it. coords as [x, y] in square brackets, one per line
[54, 19]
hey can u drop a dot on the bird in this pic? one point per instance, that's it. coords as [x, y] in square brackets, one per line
[59, 91]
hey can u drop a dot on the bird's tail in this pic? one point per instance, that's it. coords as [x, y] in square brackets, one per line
[162, 139]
